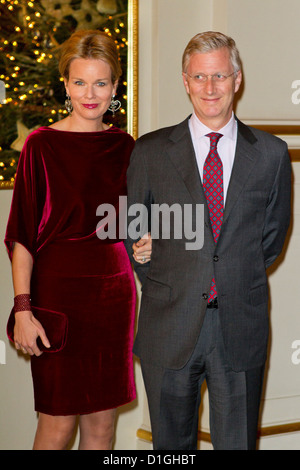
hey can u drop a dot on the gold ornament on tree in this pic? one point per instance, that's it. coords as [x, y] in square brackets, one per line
[87, 16]
[107, 7]
[23, 133]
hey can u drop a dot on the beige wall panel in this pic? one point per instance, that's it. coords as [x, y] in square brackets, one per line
[268, 36]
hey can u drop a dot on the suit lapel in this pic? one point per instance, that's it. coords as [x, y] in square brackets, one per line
[181, 152]
[244, 161]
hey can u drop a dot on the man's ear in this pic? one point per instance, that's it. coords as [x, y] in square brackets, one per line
[186, 83]
[238, 80]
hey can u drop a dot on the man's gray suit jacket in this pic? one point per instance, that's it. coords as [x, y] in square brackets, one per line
[176, 283]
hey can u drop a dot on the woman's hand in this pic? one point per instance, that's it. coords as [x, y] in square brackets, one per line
[27, 327]
[27, 330]
[142, 249]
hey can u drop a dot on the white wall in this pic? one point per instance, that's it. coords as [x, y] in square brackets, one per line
[267, 35]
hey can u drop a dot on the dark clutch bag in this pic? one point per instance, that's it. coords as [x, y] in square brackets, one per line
[55, 325]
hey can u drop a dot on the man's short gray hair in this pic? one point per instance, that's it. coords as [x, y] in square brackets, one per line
[208, 42]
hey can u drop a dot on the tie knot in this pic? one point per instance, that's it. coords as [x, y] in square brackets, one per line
[214, 138]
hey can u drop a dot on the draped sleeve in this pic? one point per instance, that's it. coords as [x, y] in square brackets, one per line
[62, 178]
[28, 200]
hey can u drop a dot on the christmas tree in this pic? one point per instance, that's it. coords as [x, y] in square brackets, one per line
[31, 32]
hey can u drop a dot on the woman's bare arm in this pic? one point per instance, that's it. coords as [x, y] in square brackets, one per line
[27, 327]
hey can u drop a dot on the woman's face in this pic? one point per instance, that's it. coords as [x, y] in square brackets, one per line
[90, 88]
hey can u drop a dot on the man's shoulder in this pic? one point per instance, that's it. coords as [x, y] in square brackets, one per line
[164, 134]
[260, 136]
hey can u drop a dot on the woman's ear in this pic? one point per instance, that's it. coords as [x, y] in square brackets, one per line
[115, 87]
[66, 86]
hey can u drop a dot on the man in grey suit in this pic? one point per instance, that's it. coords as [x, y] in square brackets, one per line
[204, 312]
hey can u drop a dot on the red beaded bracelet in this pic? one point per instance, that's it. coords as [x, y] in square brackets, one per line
[22, 302]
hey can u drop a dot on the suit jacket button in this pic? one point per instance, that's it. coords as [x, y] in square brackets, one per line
[216, 258]
[205, 296]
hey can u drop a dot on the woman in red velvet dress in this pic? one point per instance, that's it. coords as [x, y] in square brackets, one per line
[63, 264]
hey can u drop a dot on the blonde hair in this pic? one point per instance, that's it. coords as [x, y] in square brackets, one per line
[208, 42]
[90, 44]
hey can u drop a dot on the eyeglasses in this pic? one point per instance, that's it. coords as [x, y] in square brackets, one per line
[216, 77]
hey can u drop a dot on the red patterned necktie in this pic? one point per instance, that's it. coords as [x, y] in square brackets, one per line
[213, 189]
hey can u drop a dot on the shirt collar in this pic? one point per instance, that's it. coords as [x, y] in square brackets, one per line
[199, 129]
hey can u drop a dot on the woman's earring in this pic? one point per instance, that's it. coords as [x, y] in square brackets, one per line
[68, 104]
[115, 105]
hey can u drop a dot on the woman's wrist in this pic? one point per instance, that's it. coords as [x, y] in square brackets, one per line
[22, 303]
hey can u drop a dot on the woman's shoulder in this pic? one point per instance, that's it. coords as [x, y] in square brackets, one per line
[122, 133]
[34, 137]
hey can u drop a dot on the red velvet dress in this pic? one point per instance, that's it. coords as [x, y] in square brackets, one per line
[62, 178]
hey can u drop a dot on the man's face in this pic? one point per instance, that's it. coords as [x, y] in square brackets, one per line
[212, 100]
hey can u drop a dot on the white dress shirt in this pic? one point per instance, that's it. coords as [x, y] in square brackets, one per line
[226, 146]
